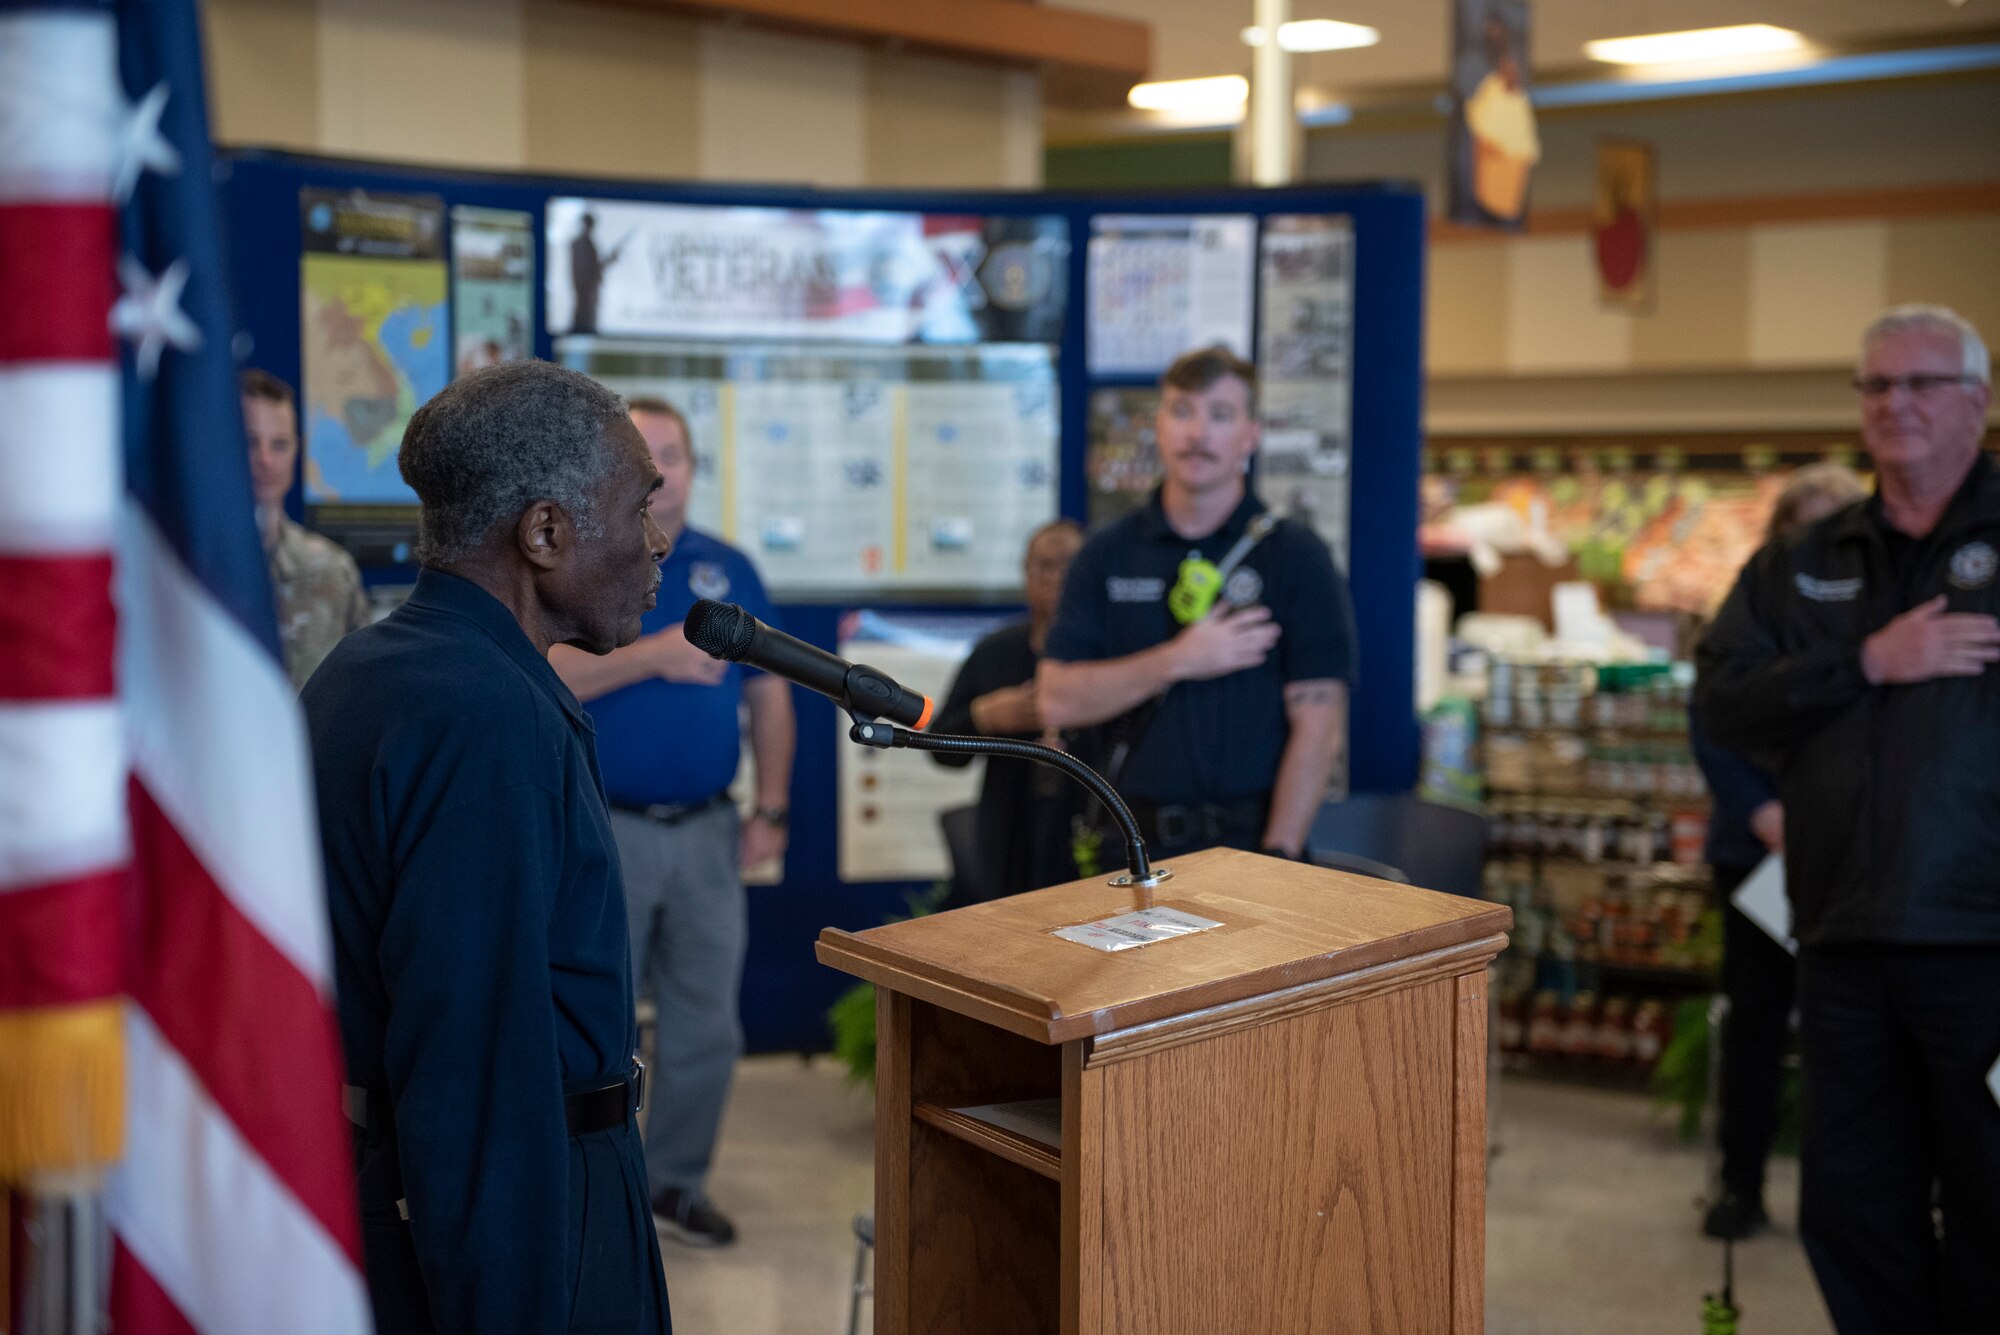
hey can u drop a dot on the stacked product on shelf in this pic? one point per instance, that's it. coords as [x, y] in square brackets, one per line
[1599, 816]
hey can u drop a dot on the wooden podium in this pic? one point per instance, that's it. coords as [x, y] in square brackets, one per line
[1270, 1127]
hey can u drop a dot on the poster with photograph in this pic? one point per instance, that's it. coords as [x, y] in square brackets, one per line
[1494, 140]
[1305, 363]
[492, 286]
[373, 341]
[889, 801]
[1121, 461]
[649, 270]
[1623, 224]
[1165, 284]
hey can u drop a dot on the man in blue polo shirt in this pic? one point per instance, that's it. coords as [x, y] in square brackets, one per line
[1215, 642]
[669, 740]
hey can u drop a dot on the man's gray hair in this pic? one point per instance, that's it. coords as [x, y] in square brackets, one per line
[495, 441]
[1978, 363]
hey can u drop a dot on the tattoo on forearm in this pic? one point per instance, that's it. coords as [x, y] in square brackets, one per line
[1312, 693]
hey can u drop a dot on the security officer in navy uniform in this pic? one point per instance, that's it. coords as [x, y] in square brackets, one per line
[1214, 641]
[1861, 657]
[485, 989]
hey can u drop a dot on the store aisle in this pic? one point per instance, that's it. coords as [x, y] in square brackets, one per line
[1592, 1223]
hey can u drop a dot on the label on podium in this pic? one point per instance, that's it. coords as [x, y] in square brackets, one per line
[1142, 928]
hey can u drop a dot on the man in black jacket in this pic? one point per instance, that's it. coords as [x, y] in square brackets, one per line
[1859, 658]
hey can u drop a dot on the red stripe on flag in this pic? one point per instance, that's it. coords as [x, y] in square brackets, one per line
[59, 942]
[248, 1023]
[57, 626]
[138, 1304]
[56, 269]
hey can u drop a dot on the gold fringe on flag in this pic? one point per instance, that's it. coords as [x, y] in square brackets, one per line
[62, 1090]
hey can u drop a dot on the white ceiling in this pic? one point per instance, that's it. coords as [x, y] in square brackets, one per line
[1197, 37]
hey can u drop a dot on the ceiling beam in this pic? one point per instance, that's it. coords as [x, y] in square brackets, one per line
[1087, 60]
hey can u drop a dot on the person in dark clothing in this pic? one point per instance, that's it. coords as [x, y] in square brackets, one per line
[586, 275]
[1023, 823]
[485, 987]
[1747, 825]
[1213, 638]
[1859, 656]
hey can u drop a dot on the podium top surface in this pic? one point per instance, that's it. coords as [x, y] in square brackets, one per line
[1283, 924]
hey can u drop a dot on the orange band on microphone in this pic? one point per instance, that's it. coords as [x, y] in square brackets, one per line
[924, 719]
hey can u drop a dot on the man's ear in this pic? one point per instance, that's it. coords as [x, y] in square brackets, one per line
[545, 534]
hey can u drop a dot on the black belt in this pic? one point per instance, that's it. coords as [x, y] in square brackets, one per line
[671, 814]
[1182, 825]
[585, 1111]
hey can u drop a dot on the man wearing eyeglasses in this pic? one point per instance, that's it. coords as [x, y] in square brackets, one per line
[1862, 656]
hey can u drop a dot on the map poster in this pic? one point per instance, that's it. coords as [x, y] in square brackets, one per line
[492, 286]
[373, 338]
[1164, 284]
[889, 801]
[1305, 362]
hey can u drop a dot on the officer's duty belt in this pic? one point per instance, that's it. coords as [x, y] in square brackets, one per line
[671, 814]
[586, 1111]
[1198, 824]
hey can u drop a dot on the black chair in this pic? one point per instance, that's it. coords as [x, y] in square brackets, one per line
[972, 880]
[1401, 837]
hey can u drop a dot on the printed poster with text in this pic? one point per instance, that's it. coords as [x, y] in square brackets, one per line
[492, 287]
[1305, 364]
[374, 344]
[890, 801]
[1164, 284]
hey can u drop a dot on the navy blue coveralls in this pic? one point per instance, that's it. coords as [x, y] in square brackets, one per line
[483, 975]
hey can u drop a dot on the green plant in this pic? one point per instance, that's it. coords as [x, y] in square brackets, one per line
[851, 1018]
[1680, 1078]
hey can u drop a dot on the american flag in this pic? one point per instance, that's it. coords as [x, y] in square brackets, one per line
[159, 877]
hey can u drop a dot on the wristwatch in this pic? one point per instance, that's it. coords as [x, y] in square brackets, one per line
[775, 817]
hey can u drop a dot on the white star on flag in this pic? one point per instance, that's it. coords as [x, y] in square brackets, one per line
[150, 315]
[141, 145]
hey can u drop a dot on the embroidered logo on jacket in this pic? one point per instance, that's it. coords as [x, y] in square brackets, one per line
[706, 579]
[1245, 587]
[1973, 565]
[1829, 590]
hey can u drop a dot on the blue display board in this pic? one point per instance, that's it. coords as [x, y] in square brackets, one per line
[786, 991]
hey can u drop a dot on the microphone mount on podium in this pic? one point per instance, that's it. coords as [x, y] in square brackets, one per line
[728, 632]
[1140, 870]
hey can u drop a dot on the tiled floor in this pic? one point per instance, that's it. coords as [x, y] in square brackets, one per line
[1592, 1218]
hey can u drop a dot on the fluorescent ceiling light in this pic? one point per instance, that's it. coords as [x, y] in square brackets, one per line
[1661, 48]
[1222, 94]
[1317, 35]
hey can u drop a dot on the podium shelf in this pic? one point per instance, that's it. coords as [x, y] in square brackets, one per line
[1015, 1146]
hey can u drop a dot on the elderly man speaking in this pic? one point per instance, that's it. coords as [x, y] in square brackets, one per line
[479, 921]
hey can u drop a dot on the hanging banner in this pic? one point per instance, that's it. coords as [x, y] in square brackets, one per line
[635, 269]
[1624, 223]
[1494, 142]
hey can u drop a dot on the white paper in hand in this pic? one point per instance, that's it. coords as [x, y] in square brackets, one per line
[1761, 899]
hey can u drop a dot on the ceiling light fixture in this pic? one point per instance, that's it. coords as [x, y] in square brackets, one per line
[1663, 48]
[1317, 35]
[1221, 94]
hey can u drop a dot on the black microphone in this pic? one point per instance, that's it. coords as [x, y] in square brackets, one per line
[726, 631]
